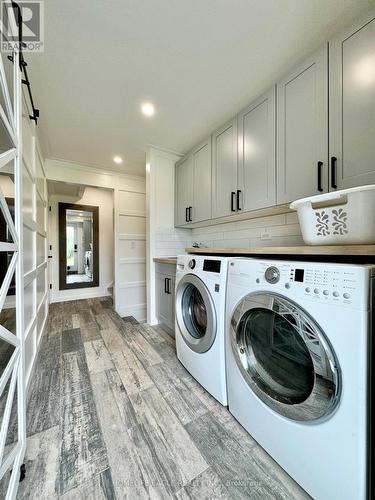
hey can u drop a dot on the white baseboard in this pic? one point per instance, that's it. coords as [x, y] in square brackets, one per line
[79, 294]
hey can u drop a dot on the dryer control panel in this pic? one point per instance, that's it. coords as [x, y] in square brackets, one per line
[330, 283]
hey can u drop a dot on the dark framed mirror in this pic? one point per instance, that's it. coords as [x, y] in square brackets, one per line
[78, 246]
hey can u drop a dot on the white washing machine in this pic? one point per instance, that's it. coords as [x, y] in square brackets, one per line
[298, 359]
[200, 320]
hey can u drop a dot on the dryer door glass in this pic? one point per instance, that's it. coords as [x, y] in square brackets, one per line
[195, 313]
[281, 358]
[285, 357]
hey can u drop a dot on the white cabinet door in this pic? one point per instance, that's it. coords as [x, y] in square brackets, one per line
[202, 182]
[352, 107]
[302, 130]
[256, 153]
[172, 285]
[224, 170]
[165, 299]
[163, 312]
[184, 191]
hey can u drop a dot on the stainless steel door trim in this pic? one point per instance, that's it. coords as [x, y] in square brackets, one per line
[203, 344]
[326, 391]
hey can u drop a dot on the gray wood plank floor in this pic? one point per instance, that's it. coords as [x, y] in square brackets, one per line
[113, 414]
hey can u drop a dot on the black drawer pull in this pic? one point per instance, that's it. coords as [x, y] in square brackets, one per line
[190, 217]
[187, 214]
[238, 199]
[334, 172]
[232, 201]
[320, 171]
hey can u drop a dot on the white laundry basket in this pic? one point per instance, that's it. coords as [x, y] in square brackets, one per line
[344, 217]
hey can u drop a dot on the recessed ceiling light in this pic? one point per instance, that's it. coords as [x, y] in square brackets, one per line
[117, 159]
[148, 109]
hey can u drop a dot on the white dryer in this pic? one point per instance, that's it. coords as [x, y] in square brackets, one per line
[200, 320]
[298, 358]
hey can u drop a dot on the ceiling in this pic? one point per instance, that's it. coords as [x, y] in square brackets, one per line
[197, 61]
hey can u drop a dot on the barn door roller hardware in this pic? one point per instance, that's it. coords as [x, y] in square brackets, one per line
[23, 63]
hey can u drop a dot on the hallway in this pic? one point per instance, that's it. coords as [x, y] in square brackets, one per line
[113, 414]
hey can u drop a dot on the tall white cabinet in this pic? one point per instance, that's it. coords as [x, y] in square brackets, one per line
[193, 186]
[256, 154]
[184, 191]
[224, 170]
[352, 107]
[302, 130]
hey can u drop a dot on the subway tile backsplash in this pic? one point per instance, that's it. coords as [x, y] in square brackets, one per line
[171, 242]
[282, 230]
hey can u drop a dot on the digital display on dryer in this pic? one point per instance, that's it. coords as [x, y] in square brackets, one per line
[299, 275]
[212, 266]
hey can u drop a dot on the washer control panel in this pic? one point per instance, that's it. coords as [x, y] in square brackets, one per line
[328, 283]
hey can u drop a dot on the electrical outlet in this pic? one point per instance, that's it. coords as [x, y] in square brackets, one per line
[132, 245]
[265, 235]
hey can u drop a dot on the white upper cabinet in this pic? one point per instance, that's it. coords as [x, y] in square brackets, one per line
[184, 191]
[224, 170]
[256, 154]
[352, 106]
[302, 130]
[201, 158]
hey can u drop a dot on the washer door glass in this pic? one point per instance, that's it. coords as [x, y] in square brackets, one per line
[284, 357]
[195, 313]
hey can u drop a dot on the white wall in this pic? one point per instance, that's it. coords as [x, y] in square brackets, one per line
[162, 237]
[99, 197]
[283, 230]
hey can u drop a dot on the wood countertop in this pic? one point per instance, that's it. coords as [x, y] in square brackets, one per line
[166, 260]
[362, 253]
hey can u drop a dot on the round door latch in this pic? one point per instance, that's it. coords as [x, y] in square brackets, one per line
[192, 263]
[242, 350]
[272, 275]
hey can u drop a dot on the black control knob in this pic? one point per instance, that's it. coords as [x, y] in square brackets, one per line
[192, 263]
[272, 275]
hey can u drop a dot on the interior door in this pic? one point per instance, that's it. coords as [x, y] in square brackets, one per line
[352, 107]
[302, 130]
[224, 170]
[256, 153]
[12, 343]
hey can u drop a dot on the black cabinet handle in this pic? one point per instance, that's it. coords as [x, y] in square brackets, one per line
[238, 199]
[334, 172]
[190, 210]
[187, 214]
[320, 170]
[232, 197]
[165, 285]
[168, 280]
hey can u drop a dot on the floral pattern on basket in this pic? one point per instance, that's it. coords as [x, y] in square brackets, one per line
[333, 221]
